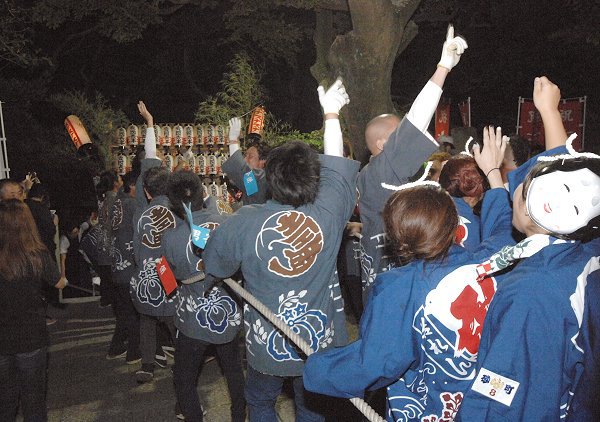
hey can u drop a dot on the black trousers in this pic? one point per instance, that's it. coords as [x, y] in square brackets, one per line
[189, 358]
[23, 375]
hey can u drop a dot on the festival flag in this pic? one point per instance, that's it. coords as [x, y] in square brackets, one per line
[442, 119]
[572, 111]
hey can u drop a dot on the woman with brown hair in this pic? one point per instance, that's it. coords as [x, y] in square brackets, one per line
[25, 264]
[466, 183]
[420, 331]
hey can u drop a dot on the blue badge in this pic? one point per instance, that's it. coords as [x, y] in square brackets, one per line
[200, 235]
[250, 183]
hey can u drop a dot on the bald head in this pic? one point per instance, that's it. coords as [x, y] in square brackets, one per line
[379, 130]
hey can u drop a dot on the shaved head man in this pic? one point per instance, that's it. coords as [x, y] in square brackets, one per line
[379, 130]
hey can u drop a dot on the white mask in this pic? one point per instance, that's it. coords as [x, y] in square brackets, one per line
[563, 202]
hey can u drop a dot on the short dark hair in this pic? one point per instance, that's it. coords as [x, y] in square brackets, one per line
[262, 148]
[461, 177]
[520, 148]
[592, 229]
[185, 187]
[293, 173]
[156, 180]
[38, 191]
[420, 223]
[106, 182]
[129, 180]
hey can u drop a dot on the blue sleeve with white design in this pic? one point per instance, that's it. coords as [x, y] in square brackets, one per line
[387, 346]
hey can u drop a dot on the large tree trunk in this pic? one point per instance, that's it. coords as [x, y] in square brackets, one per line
[364, 57]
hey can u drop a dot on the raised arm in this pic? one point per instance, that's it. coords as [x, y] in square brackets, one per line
[235, 128]
[546, 96]
[424, 106]
[490, 158]
[150, 137]
[332, 102]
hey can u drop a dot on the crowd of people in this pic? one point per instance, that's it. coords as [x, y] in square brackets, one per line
[479, 278]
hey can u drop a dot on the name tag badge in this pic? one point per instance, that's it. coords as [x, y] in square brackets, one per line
[200, 236]
[495, 387]
[250, 183]
[166, 276]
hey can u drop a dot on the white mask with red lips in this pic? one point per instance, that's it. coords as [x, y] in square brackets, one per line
[564, 201]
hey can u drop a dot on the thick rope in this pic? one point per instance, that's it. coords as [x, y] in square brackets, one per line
[360, 404]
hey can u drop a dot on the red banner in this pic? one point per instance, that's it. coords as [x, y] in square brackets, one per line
[442, 119]
[572, 112]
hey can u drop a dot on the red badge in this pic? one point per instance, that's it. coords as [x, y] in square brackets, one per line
[167, 278]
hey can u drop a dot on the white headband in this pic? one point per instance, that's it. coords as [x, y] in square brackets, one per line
[420, 182]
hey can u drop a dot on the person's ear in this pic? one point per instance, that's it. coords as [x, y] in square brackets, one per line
[379, 143]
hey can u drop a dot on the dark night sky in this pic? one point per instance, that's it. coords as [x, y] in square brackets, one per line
[503, 58]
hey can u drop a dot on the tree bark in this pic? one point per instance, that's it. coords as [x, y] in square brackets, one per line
[364, 57]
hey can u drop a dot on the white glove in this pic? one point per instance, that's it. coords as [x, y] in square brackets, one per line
[188, 155]
[452, 50]
[334, 99]
[235, 127]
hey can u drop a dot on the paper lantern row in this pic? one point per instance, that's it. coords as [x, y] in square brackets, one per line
[180, 135]
[207, 163]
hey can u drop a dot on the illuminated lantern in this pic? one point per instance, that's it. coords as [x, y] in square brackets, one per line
[214, 190]
[80, 137]
[189, 135]
[212, 164]
[158, 135]
[168, 135]
[121, 136]
[201, 134]
[133, 133]
[210, 135]
[178, 135]
[169, 161]
[77, 131]
[220, 135]
[257, 122]
[202, 164]
[121, 164]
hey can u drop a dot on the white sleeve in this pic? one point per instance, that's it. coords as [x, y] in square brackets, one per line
[424, 106]
[333, 143]
[233, 147]
[64, 244]
[150, 143]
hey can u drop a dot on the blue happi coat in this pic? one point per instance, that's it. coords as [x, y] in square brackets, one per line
[213, 316]
[288, 260]
[420, 331]
[533, 346]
